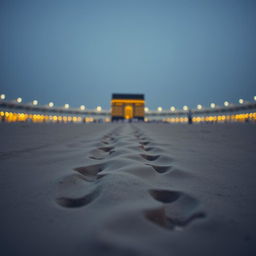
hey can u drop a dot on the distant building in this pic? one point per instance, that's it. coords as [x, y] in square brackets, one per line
[127, 106]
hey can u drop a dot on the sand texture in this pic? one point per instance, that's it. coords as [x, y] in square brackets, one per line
[128, 189]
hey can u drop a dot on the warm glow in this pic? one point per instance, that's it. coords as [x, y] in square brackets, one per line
[159, 109]
[146, 109]
[35, 102]
[66, 106]
[212, 105]
[51, 104]
[254, 98]
[199, 106]
[82, 107]
[19, 100]
[226, 103]
[241, 101]
[2, 96]
[172, 108]
[185, 108]
[99, 108]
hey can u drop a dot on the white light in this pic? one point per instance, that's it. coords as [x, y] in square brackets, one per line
[66, 106]
[2, 96]
[241, 101]
[185, 108]
[172, 108]
[146, 109]
[99, 108]
[19, 100]
[254, 98]
[199, 106]
[226, 103]
[159, 109]
[82, 107]
[35, 102]
[212, 105]
[51, 104]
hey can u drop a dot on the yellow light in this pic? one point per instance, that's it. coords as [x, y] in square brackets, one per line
[19, 100]
[212, 105]
[99, 108]
[146, 109]
[226, 103]
[66, 106]
[82, 107]
[172, 108]
[254, 98]
[34, 102]
[199, 106]
[2, 96]
[241, 101]
[185, 108]
[51, 104]
[159, 109]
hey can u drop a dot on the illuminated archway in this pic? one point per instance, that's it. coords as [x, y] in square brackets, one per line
[128, 112]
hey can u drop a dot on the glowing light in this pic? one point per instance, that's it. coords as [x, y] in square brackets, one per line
[226, 103]
[2, 96]
[82, 107]
[66, 106]
[241, 101]
[185, 108]
[146, 109]
[99, 108]
[159, 109]
[212, 105]
[199, 106]
[35, 102]
[19, 100]
[254, 98]
[172, 108]
[51, 104]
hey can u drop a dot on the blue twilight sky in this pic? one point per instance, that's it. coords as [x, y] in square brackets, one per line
[176, 52]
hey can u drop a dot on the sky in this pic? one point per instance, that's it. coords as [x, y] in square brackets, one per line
[181, 52]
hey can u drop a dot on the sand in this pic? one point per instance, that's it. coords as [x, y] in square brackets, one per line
[128, 189]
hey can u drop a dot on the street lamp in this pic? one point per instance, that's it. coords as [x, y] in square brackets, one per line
[241, 101]
[66, 106]
[2, 96]
[226, 103]
[185, 108]
[172, 108]
[212, 105]
[99, 108]
[19, 100]
[35, 102]
[146, 109]
[159, 109]
[199, 106]
[51, 104]
[82, 107]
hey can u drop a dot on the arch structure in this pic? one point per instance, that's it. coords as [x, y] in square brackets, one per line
[127, 107]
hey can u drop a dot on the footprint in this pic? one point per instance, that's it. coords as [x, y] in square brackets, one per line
[164, 196]
[77, 202]
[106, 148]
[177, 212]
[144, 143]
[91, 172]
[150, 157]
[75, 191]
[100, 153]
[160, 168]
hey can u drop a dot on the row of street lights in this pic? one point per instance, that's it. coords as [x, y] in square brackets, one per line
[50, 104]
[99, 108]
[199, 106]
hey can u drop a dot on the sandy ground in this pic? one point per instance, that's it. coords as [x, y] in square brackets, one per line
[128, 189]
